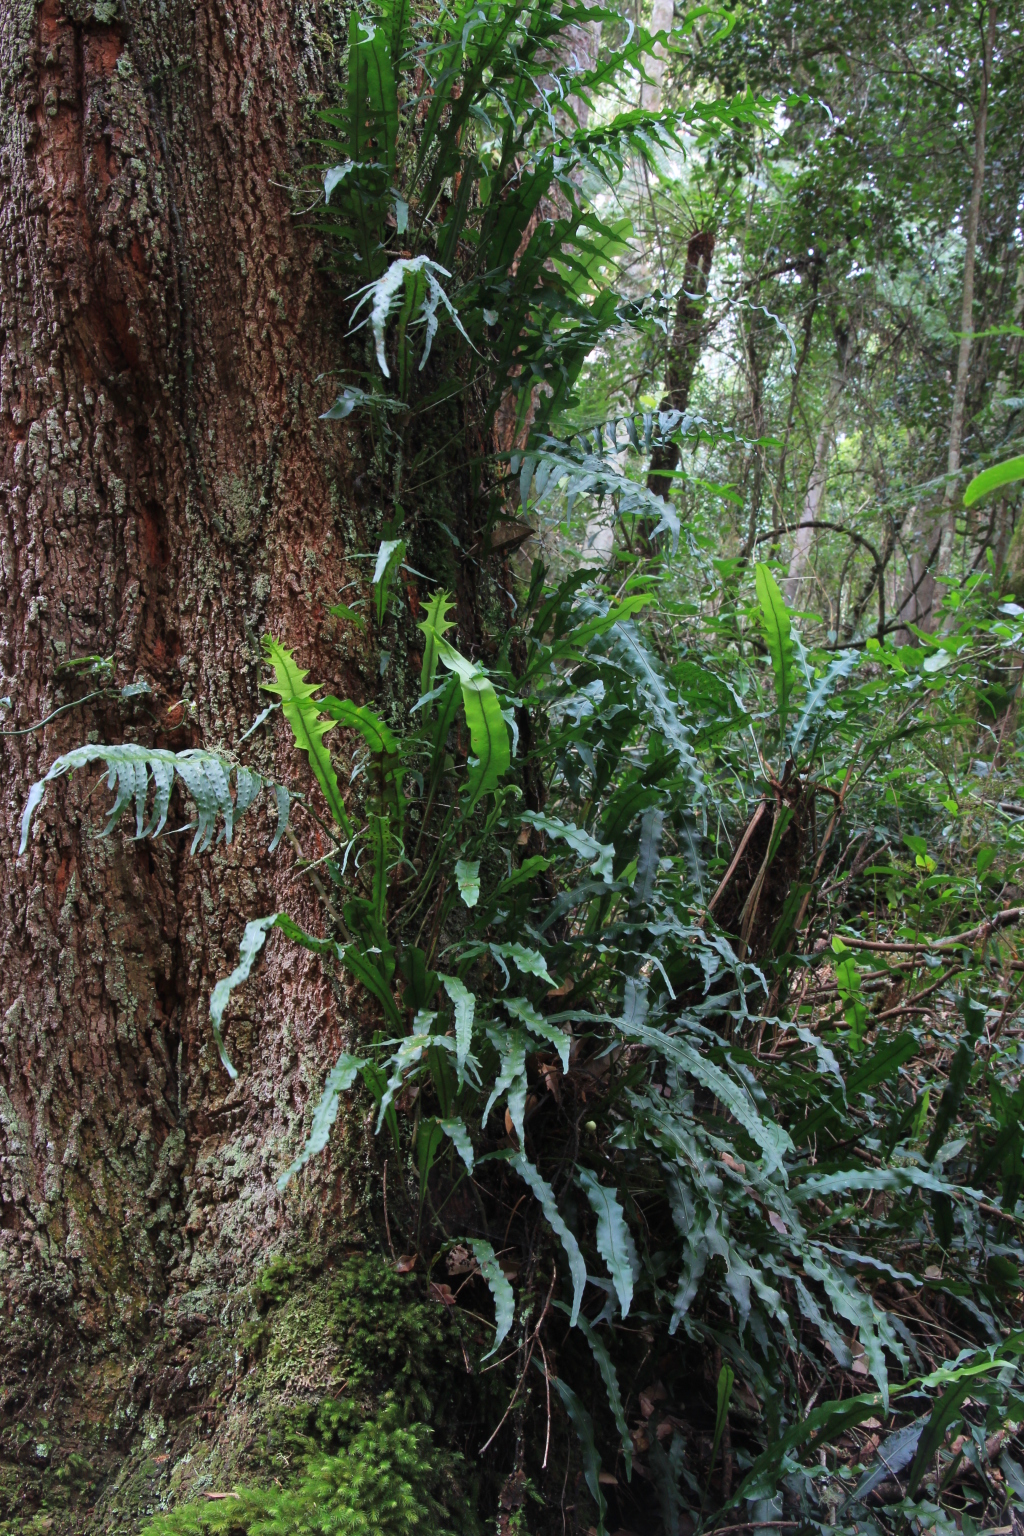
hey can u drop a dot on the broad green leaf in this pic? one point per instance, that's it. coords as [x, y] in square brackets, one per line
[947, 1410]
[303, 715]
[467, 876]
[579, 841]
[614, 1241]
[1007, 473]
[378, 836]
[773, 1140]
[504, 1300]
[365, 971]
[897, 1180]
[380, 739]
[582, 634]
[819, 695]
[372, 95]
[849, 988]
[457, 1133]
[777, 626]
[584, 1427]
[409, 1055]
[530, 961]
[605, 1365]
[726, 1379]
[648, 855]
[488, 732]
[546, 1198]
[343, 611]
[511, 1080]
[625, 646]
[830, 1421]
[340, 1078]
[535, 1022]
[464, 1004]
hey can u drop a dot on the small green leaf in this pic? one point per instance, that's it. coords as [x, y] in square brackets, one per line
[343, 611]
[546, 1198]
[467, 875]
[340, 1078]
[614, 1241]
[530, 961]
[457, 1133]
[579, 841]
[504, 1300]
[464, 1003]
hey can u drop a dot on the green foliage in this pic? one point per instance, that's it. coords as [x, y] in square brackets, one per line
[303, 715]
[776, 622]
[390, 1338]
[994, 479]
[388, 1478]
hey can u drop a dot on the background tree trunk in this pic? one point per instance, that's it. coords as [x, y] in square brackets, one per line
[963, 360]
[166, 495]
[919, 594]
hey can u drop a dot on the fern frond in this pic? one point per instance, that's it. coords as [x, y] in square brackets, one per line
[303, 713]
[132, 768]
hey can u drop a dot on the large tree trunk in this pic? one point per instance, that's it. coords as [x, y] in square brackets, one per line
[166, 494]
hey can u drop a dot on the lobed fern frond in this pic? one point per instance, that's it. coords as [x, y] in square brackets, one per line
[222, 790]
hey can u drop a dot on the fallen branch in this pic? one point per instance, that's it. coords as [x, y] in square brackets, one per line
[898, 947]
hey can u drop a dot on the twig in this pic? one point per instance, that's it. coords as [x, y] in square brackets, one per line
[533, 1339]
[387, 1224]
[744, 840]
[27, 729]
[755, 1525]
[897, 947]
[547, 1389]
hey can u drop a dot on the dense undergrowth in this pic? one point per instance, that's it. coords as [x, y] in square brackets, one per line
[691, 938]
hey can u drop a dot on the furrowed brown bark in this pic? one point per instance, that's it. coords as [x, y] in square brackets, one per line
[167, 494]
[684, 353]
